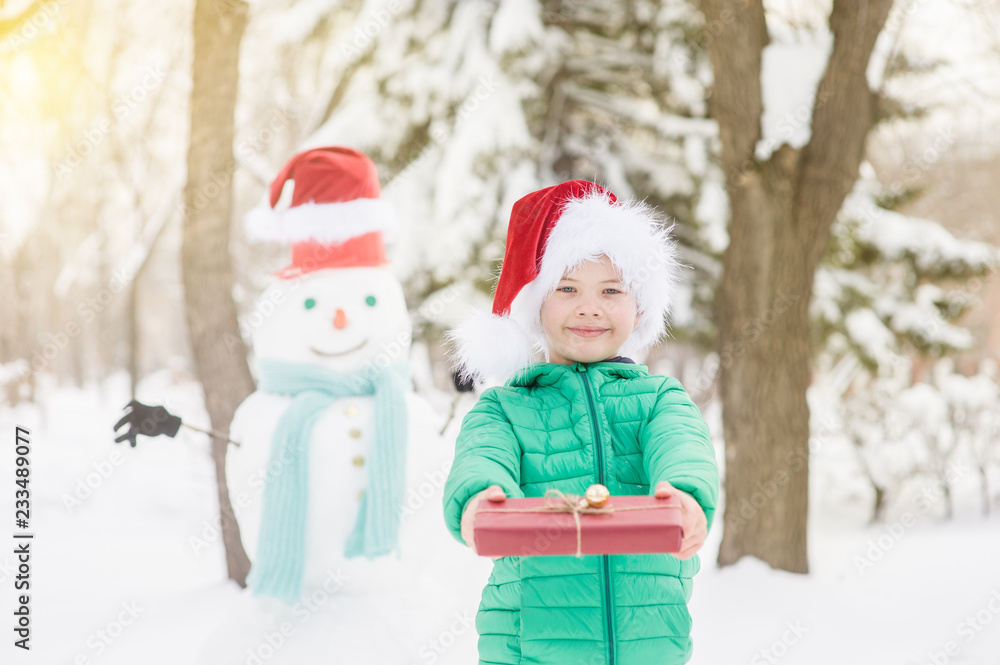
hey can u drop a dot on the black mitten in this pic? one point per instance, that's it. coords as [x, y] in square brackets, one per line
[148, 421]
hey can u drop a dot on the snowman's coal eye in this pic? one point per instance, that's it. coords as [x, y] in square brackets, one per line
[370, 300]
[309, 303]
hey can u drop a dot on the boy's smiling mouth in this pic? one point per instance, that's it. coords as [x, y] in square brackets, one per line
[588, 331]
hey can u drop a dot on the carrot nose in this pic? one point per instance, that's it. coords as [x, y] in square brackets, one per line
[340, 320]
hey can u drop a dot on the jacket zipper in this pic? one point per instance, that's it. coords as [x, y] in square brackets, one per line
[600, 478]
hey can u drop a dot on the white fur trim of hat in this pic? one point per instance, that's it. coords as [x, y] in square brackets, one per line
[495, 348]
[325, 223]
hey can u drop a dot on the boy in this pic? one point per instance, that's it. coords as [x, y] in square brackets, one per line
[584, 278]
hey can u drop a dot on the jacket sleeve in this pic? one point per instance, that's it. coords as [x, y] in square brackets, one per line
[677, 448]
[486, 453]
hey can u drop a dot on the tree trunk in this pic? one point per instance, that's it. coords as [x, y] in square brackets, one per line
[984, 483]
[782, 209]
[763, 326]
[878, 510]
[949, 508]
[133, 338]
[207, 271]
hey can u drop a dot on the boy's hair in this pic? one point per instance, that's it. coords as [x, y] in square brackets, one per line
[552, 231]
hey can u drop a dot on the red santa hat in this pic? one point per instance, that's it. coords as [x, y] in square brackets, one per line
[553, 231]
[336, 218]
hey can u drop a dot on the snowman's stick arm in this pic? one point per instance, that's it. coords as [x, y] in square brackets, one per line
[210, 432]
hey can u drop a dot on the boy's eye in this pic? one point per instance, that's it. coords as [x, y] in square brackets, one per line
[309, 303]
[570, 289]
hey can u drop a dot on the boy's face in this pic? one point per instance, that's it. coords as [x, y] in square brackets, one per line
[589, 315]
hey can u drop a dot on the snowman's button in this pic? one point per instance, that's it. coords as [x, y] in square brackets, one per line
[355, 432]
[358, 460]
[351, 411]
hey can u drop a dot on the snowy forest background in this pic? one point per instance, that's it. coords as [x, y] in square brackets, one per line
[464, 107]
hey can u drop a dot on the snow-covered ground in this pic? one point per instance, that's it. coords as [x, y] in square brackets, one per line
[126, 566]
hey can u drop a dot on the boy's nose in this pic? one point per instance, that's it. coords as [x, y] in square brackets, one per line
[589, 306]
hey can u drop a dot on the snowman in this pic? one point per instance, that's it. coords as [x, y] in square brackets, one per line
[319, 478]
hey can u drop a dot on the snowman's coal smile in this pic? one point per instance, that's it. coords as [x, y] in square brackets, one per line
[342, 353]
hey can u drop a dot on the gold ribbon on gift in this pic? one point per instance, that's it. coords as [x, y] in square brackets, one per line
[557, 502]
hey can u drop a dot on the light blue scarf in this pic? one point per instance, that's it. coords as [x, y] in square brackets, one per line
[278, 569]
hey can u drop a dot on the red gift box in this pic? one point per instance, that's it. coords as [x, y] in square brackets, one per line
[548, 526]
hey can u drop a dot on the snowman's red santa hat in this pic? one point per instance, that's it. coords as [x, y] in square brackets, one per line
[336, 218]
[551, 232]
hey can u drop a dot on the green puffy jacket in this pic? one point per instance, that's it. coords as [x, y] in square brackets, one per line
[567, 427]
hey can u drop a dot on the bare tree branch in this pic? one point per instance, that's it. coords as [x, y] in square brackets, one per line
[843, 114]
[739, 33]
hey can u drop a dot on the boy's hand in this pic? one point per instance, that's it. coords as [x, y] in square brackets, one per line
[491, 493]
[692, 519]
